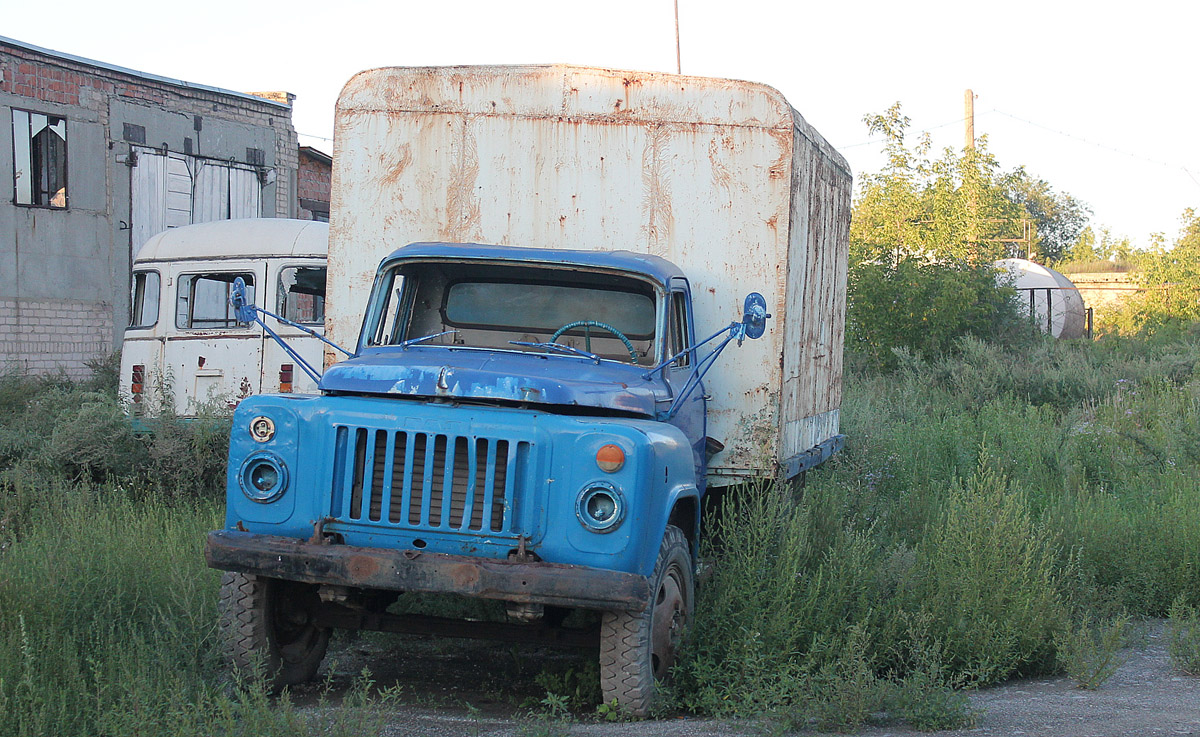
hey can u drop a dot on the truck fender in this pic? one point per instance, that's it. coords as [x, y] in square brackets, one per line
[683, 511]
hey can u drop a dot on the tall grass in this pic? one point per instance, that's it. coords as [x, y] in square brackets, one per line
[106, 612]
[985, 503]
[107, 609]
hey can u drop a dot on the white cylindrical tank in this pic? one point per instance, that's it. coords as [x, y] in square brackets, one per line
[1054, 302]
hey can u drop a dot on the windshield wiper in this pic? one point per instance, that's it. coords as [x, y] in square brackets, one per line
[558, 347]
[423, 338]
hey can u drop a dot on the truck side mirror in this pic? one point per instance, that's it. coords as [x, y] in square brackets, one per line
[754, 316]
[754, 319]
[753, 325]
[244, 311]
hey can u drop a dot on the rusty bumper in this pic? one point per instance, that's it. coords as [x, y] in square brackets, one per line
[415, 570]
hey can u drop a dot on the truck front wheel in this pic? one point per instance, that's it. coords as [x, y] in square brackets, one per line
[638, 648]
[267, 623]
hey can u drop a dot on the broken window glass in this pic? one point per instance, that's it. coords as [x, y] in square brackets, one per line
[144, 304]
[302, 294]
[39, 159]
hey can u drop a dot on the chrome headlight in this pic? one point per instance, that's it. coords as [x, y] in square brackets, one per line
[600, 507]
[263, 477]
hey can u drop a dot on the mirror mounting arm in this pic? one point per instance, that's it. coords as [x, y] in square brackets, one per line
[249, 312]
[752, 325]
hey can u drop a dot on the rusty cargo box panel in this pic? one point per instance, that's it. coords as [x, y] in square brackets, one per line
[722, 177]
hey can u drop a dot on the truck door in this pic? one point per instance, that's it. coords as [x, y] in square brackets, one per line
[691, 415]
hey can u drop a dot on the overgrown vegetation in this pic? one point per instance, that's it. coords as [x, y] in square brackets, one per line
[1183, 635]
[994, 510]
[51, 426]
[924, 237]
[997, 512]
[1169, 304]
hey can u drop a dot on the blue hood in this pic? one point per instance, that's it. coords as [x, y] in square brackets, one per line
[435, 371]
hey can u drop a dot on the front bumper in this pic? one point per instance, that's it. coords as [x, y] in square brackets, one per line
[415, 570]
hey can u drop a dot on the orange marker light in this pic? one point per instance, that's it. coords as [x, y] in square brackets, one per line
[610, 458]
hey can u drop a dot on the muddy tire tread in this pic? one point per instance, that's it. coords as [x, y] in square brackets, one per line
[625, 643]
[242, 620]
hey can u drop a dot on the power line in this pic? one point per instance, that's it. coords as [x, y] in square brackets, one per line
[1064, 134]
[1072, 136]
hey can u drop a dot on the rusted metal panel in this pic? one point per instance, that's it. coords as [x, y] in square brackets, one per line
[721, 177]
[414, 570]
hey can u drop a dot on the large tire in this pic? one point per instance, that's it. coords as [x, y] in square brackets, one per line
[637, 649]
[266, 623]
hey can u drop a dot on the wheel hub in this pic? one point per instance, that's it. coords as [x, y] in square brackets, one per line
[667, 623]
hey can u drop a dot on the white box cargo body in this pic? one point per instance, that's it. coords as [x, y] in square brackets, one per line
[723, 178]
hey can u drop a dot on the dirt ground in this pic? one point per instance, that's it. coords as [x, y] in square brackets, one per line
[454, 688]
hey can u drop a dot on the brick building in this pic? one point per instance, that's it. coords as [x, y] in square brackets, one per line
[99, 158]
[314, 177]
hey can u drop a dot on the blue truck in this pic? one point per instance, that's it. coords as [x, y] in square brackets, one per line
[533, 425]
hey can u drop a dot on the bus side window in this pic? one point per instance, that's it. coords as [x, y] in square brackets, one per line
[302, 294]
[202, 302]
[144, 300]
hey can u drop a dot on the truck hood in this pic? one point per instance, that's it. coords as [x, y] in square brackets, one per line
[435, 371]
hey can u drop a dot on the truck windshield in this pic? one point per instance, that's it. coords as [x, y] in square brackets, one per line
[487, 306]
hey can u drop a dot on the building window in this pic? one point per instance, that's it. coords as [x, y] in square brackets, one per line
[39, 159]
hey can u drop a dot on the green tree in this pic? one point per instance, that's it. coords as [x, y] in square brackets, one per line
[888, 215]
[1170, 277]
[923, 237]
[955, 206]
[1090, 248]
[1060, 218]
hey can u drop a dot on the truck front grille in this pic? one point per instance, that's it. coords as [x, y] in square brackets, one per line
[428, 481]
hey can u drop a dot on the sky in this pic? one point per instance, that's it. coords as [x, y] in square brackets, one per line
[1097, 98]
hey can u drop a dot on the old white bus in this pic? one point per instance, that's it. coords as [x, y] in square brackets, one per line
[185, 351]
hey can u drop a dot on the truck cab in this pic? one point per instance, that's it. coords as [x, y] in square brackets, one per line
[515, 424]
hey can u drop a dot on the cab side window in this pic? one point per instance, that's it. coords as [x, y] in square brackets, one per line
[678, 334]
[202, 302]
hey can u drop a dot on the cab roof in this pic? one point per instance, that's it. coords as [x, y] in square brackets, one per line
[654, 267]
[248, 238]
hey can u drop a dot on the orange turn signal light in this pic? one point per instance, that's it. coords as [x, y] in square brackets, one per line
[610, 458]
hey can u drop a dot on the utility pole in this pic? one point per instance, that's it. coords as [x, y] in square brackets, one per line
[968, 114]
[678, 64]
[969, 155]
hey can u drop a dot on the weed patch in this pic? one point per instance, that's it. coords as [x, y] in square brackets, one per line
[1183, 636]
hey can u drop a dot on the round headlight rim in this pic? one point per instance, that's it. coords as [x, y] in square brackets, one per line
[250, 464]
[590, 491]
[264, 436]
